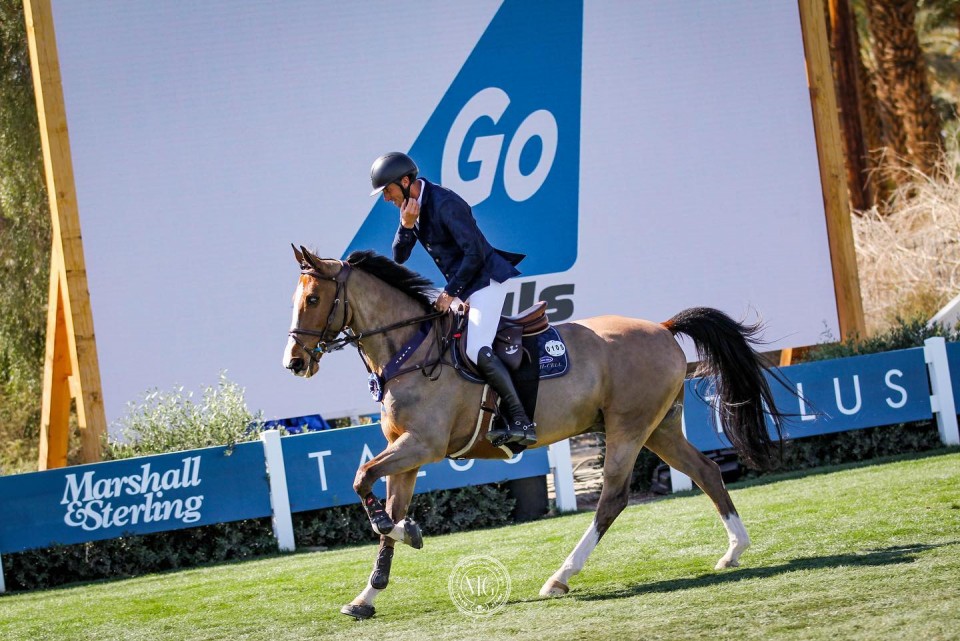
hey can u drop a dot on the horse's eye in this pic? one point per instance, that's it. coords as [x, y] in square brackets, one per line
[312, 300]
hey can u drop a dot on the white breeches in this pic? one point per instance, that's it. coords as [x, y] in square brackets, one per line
[485, 307]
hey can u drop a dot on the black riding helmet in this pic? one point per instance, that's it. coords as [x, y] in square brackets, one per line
[391, 168]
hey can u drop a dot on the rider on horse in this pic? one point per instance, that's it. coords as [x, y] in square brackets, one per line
[475, 272]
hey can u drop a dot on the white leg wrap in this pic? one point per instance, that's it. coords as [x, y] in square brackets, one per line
[397, 532]
[739, 541]
[578, 557]
[367, 596]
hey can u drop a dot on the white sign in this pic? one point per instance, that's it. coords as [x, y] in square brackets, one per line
[647, 157]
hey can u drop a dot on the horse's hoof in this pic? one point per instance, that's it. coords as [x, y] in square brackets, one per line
[725, 563]
[412, 535]
[554, 588]
[358, 612]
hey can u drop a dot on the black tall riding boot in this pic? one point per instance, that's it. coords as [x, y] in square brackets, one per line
[520, 429]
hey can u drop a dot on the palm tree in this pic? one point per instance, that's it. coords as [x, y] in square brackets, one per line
[902, 88]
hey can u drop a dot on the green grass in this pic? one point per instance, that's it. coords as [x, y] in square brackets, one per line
[870, 552]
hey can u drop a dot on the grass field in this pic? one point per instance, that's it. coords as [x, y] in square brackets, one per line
[868, 552]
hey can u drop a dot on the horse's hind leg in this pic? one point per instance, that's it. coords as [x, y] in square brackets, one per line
[399, 493]
[669, 443]
[622, 450]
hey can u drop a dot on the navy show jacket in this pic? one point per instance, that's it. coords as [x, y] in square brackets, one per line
[448, 231]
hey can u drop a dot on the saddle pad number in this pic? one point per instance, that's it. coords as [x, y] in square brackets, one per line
[552, 353]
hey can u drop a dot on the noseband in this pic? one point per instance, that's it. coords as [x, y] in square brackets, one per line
[331, 340]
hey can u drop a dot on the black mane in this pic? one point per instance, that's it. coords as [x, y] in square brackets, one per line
[406, 280]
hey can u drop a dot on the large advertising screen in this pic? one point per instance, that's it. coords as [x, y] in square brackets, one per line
[646, 157]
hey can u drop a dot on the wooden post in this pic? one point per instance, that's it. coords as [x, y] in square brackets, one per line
[55, 442]
[843, 257]
[846, 55]
[71, 369]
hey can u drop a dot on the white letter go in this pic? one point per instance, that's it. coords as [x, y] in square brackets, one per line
[491, 103]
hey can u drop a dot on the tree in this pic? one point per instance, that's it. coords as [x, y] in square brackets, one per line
[848, 72]
[901, 84]
[24, 247]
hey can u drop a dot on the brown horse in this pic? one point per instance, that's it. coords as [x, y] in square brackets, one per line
[626, 380]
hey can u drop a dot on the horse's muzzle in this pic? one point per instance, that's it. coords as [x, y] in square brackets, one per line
[300, 366]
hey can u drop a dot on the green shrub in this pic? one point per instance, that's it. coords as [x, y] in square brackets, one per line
[135, 555]
[904, 335]
[467, 508]
[172, 421]
[859, 445]
[643, 470]
[439, 512]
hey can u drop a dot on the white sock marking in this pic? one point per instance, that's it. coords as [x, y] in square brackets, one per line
[578, 557]
[739, 541]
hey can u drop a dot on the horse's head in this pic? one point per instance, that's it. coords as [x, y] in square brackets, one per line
[319, 311]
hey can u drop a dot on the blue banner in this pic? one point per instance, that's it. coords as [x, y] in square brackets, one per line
[834, 396]
[321, 467]
[133, 496]
[953, 361]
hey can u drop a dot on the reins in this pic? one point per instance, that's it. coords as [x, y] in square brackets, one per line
[331, 340]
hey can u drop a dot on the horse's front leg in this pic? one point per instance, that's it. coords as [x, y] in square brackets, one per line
[405, 454]
[399, 494]
[389, 522]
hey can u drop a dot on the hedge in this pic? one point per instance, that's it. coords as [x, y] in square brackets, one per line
[437, 513]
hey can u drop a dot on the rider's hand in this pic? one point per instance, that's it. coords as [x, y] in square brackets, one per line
[443, 302]
[409, 213]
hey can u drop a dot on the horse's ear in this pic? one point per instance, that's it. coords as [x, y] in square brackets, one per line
[310, 259]
[298, 254]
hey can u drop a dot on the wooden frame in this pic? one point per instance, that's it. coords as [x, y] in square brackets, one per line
[833, 177]
[71, 367]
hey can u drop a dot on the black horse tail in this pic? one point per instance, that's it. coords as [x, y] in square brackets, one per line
[743, 395]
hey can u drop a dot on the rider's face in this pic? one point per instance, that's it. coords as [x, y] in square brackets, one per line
[393, 194]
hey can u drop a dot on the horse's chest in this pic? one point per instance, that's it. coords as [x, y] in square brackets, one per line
[394, 417]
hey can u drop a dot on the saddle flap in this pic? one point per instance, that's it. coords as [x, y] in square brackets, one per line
[508, 345]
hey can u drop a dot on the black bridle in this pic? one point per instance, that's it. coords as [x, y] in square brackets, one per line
[330, 339]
